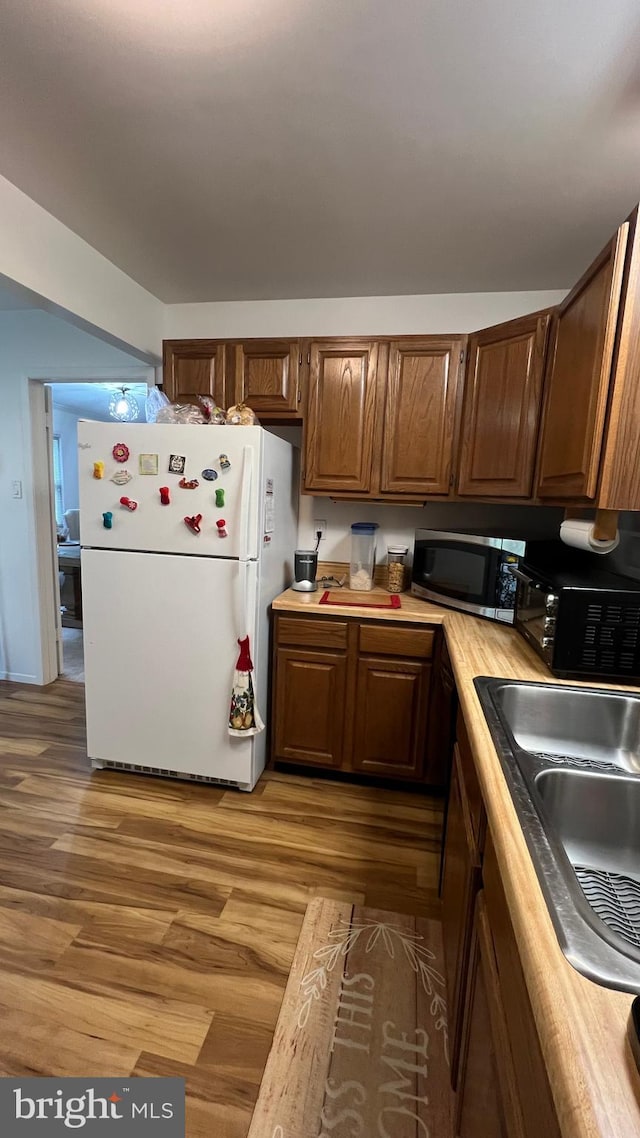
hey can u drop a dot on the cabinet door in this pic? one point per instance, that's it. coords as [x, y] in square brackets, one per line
[580, 360]
[266, 376]
[420, 416]
[502, 403]
[486, 1105]
[309, 707]
[390, 717]
[530, 1073]
[340, 419]
[192, 368]
[460, 883]
[442, 712]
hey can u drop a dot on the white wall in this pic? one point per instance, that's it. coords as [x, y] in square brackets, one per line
[65, 424]
[63, 271]
[399, 523]
[353, 315]
[39, 345]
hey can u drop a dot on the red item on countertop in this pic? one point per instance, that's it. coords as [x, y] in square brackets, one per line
[334, 598]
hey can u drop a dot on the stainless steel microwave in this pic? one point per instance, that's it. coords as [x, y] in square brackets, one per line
[467, 571]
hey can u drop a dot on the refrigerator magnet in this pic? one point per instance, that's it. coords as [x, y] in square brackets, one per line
[107, 520]
[98, 470]
[224, 462]
[121, 477]
[222, 528]
[164, 495]
[147, 464]
[209, 475]
[120, 452]
[128, 504]
[188, 483]
[177, 463]
[219, 498]
[193, 523]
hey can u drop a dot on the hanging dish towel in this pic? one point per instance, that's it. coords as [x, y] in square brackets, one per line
[244, 717]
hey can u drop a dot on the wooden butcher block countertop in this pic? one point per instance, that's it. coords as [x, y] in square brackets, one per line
[582, 1026]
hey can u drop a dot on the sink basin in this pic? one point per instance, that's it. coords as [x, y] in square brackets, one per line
[596, 819]
[586, 725]
[571, 758]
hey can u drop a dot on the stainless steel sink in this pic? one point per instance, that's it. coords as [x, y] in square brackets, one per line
[579, 724]
[571, 757]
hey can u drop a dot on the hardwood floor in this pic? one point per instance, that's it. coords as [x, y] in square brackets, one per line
[147, 927]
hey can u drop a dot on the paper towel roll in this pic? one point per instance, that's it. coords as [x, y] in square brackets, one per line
[579, 534]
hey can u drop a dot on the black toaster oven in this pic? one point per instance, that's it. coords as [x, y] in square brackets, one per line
[584, 623]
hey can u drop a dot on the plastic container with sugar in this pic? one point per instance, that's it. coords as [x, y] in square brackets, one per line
[363, 551]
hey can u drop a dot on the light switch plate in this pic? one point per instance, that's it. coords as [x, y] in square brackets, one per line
[16, 488]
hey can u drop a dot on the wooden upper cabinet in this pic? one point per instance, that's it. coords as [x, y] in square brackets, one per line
[267, 376]
[192, 368]
[340, 419]
[420, 416]
[502, 401]
[579, 372]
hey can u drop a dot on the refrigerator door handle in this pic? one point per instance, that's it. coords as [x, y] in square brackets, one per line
[241, 599]
[245, 501]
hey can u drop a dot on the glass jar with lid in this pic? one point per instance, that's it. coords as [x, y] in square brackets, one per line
[395, 568]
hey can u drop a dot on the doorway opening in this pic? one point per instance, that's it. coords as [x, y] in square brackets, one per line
[65, 404]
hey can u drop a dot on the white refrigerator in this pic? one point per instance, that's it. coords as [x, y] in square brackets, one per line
[164, 605]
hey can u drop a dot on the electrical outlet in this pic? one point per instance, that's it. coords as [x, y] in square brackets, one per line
[320, 526]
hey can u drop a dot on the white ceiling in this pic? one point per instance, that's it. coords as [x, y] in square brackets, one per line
[231, 149]
[91, 400]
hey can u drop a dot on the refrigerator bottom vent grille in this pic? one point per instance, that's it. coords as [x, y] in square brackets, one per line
[168, 774]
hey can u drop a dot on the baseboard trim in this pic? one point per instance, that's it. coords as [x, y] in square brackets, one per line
[21, 678]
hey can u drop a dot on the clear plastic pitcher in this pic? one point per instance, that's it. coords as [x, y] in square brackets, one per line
[363, 553]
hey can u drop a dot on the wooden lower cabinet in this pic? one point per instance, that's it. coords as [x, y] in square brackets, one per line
[310, 697]
[354, 696]
[390, 717]
[486, 1104]
[460, 884]
[443, 704]
[531, 1080]
[497, 1067]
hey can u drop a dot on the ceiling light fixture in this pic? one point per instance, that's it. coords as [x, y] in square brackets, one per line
[123, 406]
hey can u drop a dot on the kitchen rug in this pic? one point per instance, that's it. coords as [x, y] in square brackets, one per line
[360, 1047]
[339, 597]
